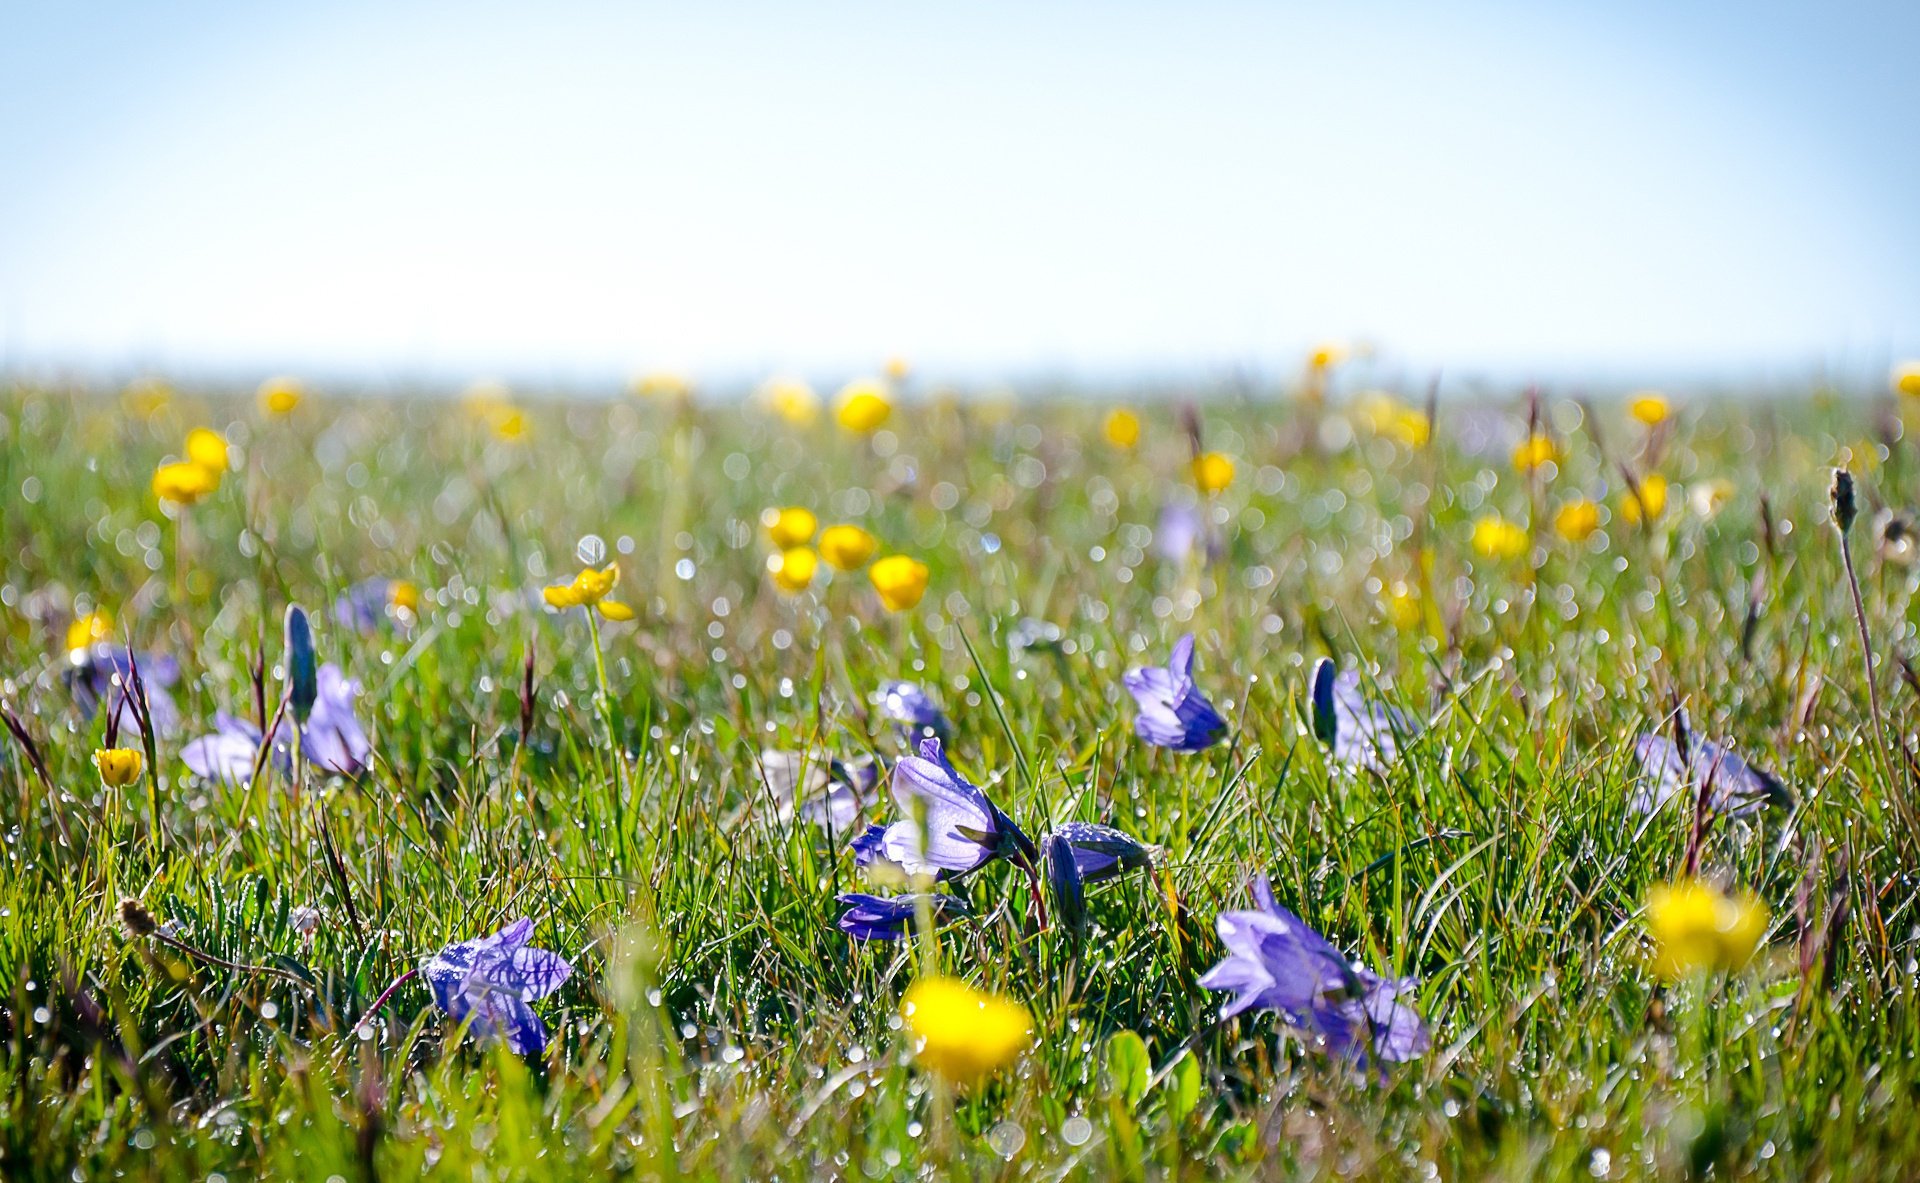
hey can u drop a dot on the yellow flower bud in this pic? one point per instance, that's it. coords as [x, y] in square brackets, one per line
[1533, 452]
[1649, 407]
[1649, 504]
[119, 767]
[279, 396]
[961, 1033]
[1497, 538]
[789, 527]
[792, 400]
[1212, 472]
[900, 580]
[1577, 520]
[862, 406]
[1122, 428]
[793, 569]
[208, 449]
[1696, 926]
[184, 483]
[847, 548]
[88, 630]
[1906, 378]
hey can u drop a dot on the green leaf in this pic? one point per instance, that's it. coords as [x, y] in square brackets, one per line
[1182, 1086]
[1128, 1066]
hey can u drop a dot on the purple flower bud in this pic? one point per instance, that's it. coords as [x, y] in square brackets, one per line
[887, 918]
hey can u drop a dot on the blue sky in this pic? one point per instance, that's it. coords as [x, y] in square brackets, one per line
[573, 192]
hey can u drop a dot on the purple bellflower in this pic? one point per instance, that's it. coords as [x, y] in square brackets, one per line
[333, 739]
[1180, 528]
[1275, 962]
[1102, 852]
[491, 980]
[1362, 734]
[888, 917]
[101, 672]
[819, 788]
[1173, 713]
[1734, 787]
[963, 829]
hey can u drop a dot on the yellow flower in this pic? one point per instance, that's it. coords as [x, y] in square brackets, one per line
[208, 449]
[1402, 605]
[1497, 538]
[1906, 378]
[403, 595]
[145, 397]
[184, 483]
[1326, 355]
[793, 569]
[1212, 472]
[93, 627]
[961, 1033]
[1651, 502]
[1386, 415]
[1650, 407]
[1533, 452]
[1696, 926]
[492, 404]
[789, 527]
[1122, 428]
[664, 385]
[792, 400]
[589, 589]
[279, 396]
[847, 548]
[898, 368]
[900, 580]
[119, 767]
[862, 406]
[1577, 520]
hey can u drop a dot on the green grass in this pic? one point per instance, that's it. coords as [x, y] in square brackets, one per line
[720, 1027]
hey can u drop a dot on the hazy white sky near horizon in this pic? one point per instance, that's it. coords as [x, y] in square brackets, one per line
[574, 191]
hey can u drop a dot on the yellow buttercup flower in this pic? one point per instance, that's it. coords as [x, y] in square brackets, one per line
[118, 767]
[1696, 926]
[1122, 428]
[847, 548]
[792, 400]
[1533, 452]
[589, 589]
[279, 396]
[1906, 378]
[1212, 472]
[793, 569]
[1649, 504]
[1326, 355]
[208, 449]
[1650, 407]
[789, 527]
[403, 595]
[1577, 520]
[900, 580]
[184, 483]
[1497, 538]
[961, 1033]
[90, 629]
[862, 406]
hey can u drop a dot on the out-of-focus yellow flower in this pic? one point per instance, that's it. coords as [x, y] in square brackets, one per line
[1906, 378]
[1534, 451]
[208, 449]
[900, 580]
[1326, 355]
[898, 368]
[1383, 414]
[961, 1033]
[279, 396]
[792, 400]
[1577, 520]
[492, 404]
[1497, 538]
[147, 397]
[862, 406]
[1709, 497]
[1402, 605]
[118, 767]
[1122, 428]
[665, 385]
[589, 589]
[184, 483]
[789, 527]
[403, 595]
[1650, 407]
[90, 629]
[847, 548]
[793, 569]
[1696, 926]
[1212, 472]
[1649, 504]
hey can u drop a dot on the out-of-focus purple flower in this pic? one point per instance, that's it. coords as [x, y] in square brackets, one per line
[887, 917]
[363, 607]
[491, 980]
[1065, 884]
[962, 829]
[1173, 712]
[99, 672]
[819, 788]
[1362, 734]
[333, 739]
[1275, 962]
[1102, 852]
[910, 706]
[1735, 788]
[228, 754]
[1180, 528]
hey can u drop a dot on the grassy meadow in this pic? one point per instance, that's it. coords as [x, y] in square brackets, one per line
[718, 1024]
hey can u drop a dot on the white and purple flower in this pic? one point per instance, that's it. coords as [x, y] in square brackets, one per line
[1173, 712]
[491, 980]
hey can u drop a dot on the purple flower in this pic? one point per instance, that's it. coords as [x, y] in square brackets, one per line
[1179, 529]
[332, 740]
[227, 756]
[1362, 734]
[1275, 962]
[951, 826]
[1734, 787]
[101, 671]
[1173, 713]
[1101, 852]
[886, 918]
[908, 705]
[816, 787]
[491, 980]
[363, 607]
